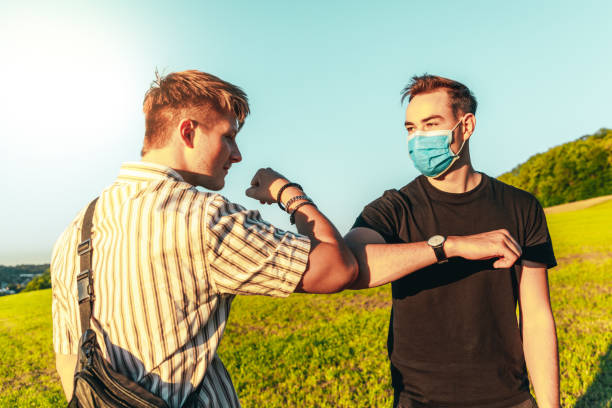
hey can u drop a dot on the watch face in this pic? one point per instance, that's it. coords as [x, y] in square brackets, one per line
[436, 240]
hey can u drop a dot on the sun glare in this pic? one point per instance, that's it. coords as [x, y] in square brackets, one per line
[63, 81]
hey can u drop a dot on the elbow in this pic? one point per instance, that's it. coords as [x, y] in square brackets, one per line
[346, 272]
[352, 272]
[332, 268]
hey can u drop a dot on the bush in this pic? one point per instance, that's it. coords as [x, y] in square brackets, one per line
[570, 172]
[39, 282]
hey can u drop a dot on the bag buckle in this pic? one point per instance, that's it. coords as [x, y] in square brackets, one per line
[84, 247]
[85, 286]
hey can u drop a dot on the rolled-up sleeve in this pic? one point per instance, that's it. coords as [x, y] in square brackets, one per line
[249, 256]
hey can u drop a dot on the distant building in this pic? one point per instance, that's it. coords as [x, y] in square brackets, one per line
[6, 291]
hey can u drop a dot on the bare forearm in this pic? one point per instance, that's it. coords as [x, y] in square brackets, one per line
[539, 333]
[380, 264]
[311, 222]
[331, 264]
[541, 356]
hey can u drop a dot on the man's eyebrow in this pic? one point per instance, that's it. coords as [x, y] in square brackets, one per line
[406, 123]
[427, 119]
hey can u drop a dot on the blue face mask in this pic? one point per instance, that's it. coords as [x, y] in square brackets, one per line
[430, 150]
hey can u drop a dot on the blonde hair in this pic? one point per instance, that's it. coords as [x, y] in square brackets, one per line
[179, 91]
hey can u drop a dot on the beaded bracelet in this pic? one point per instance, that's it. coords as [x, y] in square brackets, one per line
[280, 193]
[297, 207]
[294, 199]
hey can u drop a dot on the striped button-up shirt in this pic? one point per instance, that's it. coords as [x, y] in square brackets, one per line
[167, 261]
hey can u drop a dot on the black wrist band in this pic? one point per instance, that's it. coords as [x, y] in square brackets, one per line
[294, 199]
[297, 207]
[280, 193]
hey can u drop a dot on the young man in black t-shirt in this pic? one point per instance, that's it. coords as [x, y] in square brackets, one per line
[461, 250]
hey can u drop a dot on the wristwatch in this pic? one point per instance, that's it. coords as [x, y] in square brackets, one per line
[436, 242]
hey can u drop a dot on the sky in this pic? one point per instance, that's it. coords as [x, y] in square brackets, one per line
[323, 78]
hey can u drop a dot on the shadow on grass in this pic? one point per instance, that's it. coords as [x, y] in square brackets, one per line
[599, 393]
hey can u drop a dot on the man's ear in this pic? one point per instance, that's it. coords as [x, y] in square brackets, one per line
[187, 132]
[469, 123]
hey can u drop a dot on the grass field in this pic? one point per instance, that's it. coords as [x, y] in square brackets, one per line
[329, 351]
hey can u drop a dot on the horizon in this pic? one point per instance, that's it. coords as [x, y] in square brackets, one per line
[324, 82]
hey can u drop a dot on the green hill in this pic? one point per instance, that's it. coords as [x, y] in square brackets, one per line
[570, 172]
[329, 351]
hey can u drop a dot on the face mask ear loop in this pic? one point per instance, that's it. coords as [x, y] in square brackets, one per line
[455, 158]
[458, 154]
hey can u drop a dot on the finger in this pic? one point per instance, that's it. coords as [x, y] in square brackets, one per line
[507, 259]
[511, 238]
[251, 192]
[256, 177]
[504, 240]
[505, 233]
[501, 263]
[516, 244]
[511, 245]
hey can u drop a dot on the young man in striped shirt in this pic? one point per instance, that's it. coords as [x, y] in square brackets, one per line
[168, 259]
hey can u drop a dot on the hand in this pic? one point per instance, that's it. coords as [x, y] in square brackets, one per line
[265, 185]
[488, 245]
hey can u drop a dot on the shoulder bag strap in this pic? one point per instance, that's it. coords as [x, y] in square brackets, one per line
[84, 278]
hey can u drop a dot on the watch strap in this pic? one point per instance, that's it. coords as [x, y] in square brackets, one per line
[440, 254]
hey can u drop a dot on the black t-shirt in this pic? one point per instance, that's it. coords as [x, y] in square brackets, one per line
[453, 336]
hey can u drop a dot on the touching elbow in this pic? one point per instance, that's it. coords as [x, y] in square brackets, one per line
[353, 271]
[332, 268]
[346, 273]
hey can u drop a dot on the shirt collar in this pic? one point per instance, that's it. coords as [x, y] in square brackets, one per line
[146, 171]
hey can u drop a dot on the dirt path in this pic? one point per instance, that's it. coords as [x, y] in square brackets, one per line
[577, 205]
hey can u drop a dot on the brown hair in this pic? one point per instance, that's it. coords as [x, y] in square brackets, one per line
[179, 91]
[462, 99]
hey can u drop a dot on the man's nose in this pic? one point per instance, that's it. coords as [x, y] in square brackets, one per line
[235, 155]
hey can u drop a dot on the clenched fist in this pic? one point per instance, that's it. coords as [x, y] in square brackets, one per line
[489, 245]
[265, 185]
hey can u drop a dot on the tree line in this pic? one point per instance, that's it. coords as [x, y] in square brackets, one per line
[12, 280]
[39, 282]
[573, 171]
[12, 274]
